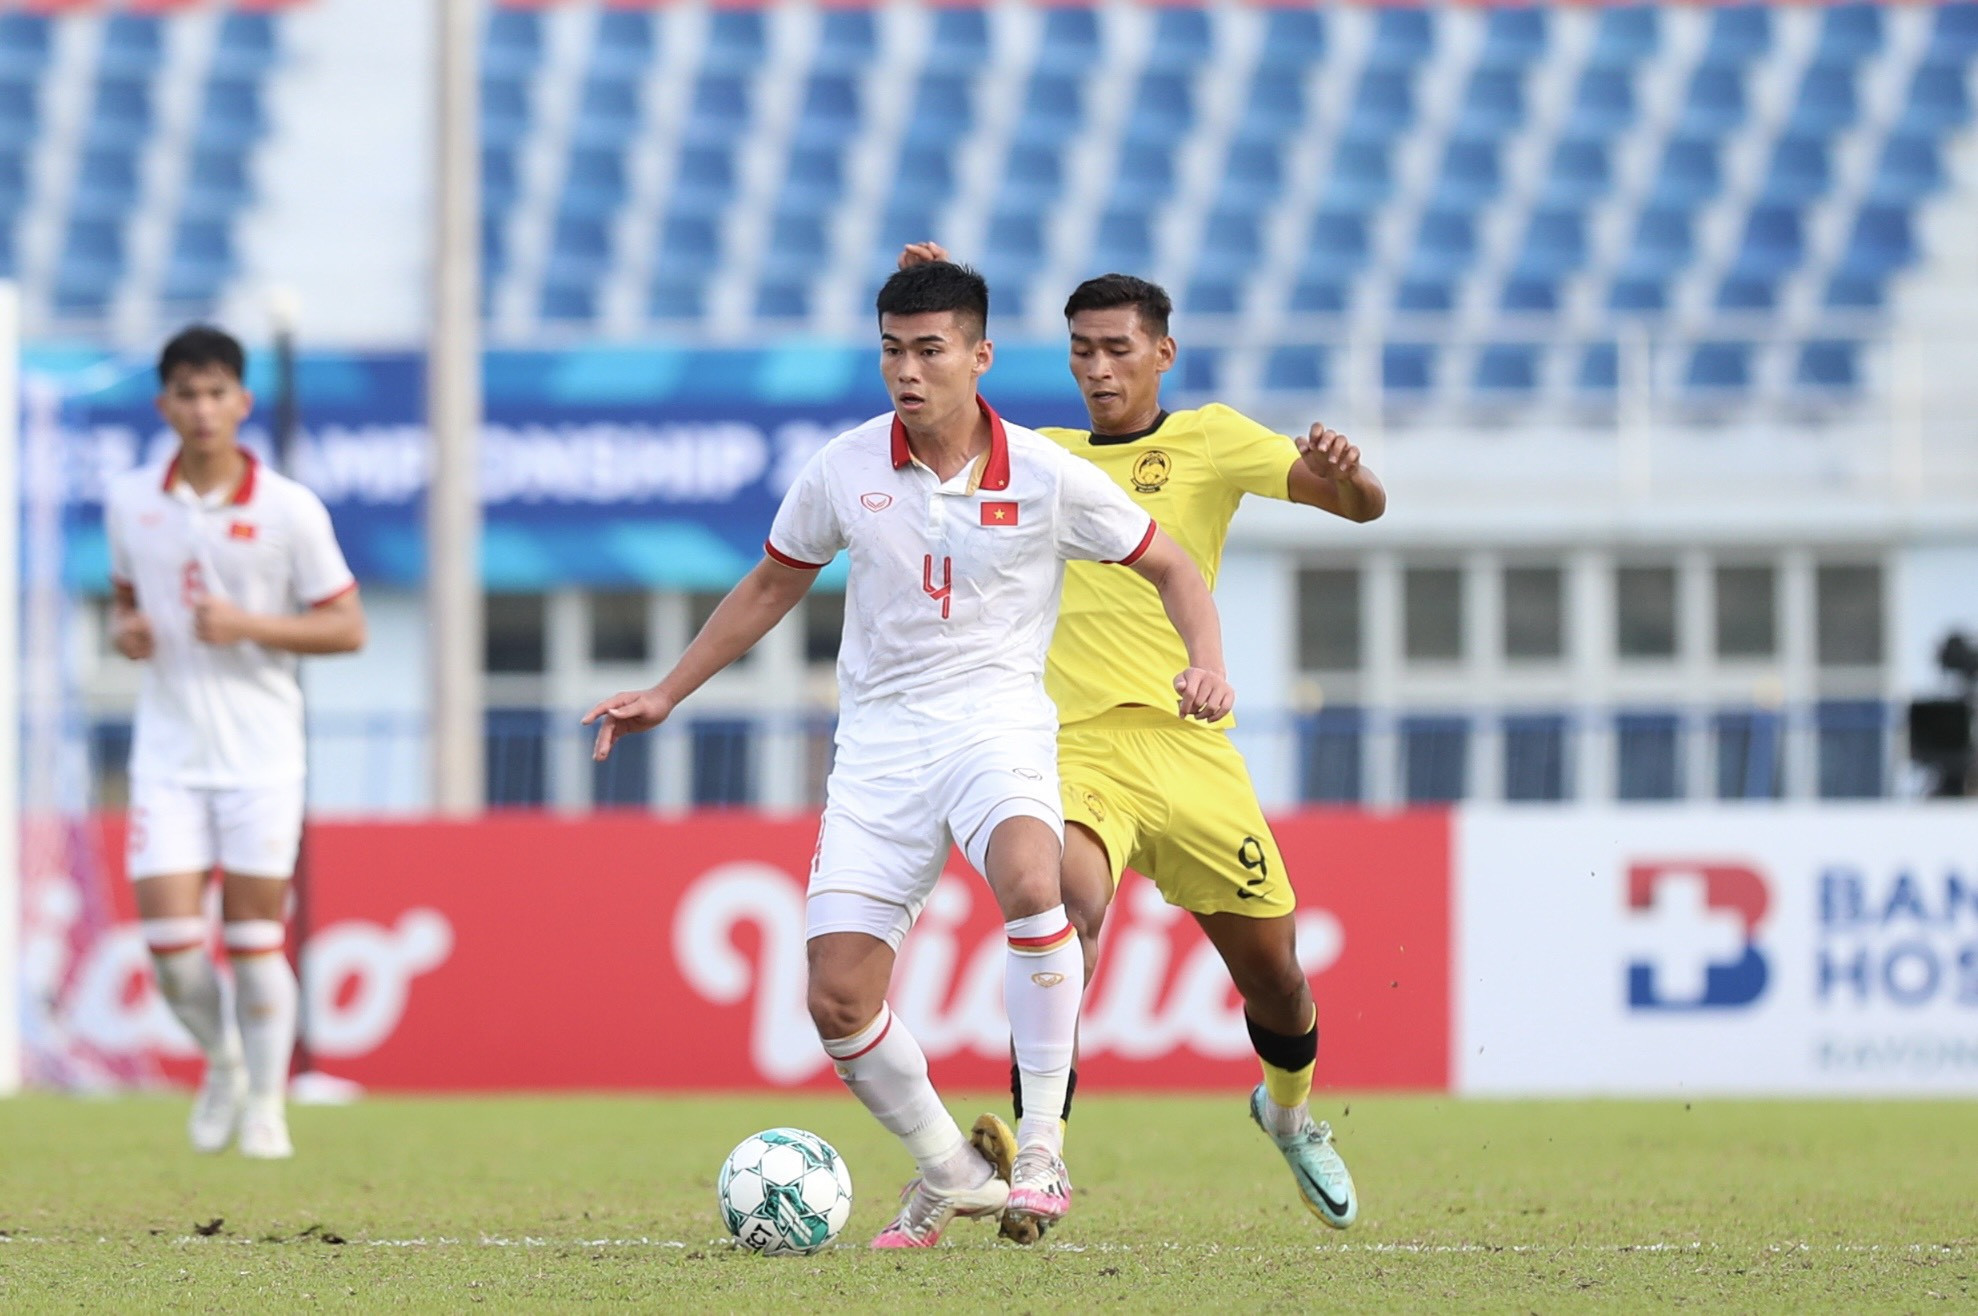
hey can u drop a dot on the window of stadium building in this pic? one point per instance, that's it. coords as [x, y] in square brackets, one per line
[516, 641]
[620, 628]
[1534, 614]
[1848, 608]
[1432, 614]
[1329, 619]
[1746, 612]
[1645, 612]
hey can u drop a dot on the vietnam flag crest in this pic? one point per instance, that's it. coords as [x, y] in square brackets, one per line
[999, 514]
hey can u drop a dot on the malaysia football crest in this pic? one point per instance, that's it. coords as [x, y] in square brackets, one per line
[1150, 473]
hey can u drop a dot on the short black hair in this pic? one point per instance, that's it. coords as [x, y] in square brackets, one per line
[1109, 291]
[938, 286]
[202, 345]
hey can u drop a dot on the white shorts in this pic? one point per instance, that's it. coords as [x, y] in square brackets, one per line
[252, 831]
[884, 839]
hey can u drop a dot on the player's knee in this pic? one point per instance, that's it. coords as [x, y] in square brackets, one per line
[1277, 984]
[837, 1010]
[1028, 890]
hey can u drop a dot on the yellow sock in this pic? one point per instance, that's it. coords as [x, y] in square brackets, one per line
[1289, 1088]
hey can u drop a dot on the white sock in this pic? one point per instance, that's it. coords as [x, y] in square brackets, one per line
[887, 1071]
[1286, 1120]
[264, 1001]
[1043, 983]
[191, 985]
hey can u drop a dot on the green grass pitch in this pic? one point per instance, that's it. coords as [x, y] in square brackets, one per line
[562, 1203]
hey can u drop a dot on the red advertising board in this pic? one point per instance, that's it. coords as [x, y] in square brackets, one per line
[529, 951]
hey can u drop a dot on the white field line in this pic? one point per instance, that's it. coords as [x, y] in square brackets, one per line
[1375, 1249]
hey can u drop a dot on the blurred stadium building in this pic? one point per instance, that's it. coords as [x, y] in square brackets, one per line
[1660, 322]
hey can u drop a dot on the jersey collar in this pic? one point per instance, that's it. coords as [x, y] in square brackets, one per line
[994, 467]
[1099, 440]
[242, 491]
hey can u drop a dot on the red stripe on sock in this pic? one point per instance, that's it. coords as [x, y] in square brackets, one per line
[874, 1042]
[1051, 942]
[175, 949]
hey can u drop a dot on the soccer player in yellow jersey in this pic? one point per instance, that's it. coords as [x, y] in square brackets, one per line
[1143, 788]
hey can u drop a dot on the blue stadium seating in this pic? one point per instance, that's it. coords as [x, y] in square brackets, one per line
[1513, 38]
[514, 44]
[1739, 33]
[107, 185]
[737, 41]
[1294, 40]
[1403, 38]
[1718, 367]
[24, 45]
[1909, 170]
[1470, 175]
[960, 40]
[133, 45]
[1828, 364]
[1070, 42]
[1360, 177]
[1715, 102]
[246, 46]
[1197, 370]
[831, 110]
[1183, 40]
[1274, 108]
[231, 113]
[1826, 102]
[1800, 172]
[1232, 245]
[20, 113]
[847, 41]
[1603, 103]
[1384, 106]
[1624, 36]
[1508, 368]
[1295, 369]
[1554, 246]
[1493, 103]
[1689, 174]
[1407, 367]
[1939, 100]
[1163, 108]
[608, 110]
[1580, 172]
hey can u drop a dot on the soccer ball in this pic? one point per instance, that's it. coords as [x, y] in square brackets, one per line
[784, 1193]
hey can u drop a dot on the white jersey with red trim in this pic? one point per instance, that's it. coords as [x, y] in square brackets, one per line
[953, 589]
[219, 716]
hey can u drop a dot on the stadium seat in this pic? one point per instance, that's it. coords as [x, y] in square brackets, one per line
[120, 114]
[1849, 33]
[1384, 106]
[1403, 38]
[1624, 36]
[1528, 295]
[1507, 368]
[1232, 246]
[625, 45]
[924, 176]
[1954, 36]
[847, 41]
[1124, 241]
[1826, 103]
[504, 110]
[574, 302]
[1739, 33]
[1338, 247]
[133, 45]
[608, 112]
[904, 221]
[1689, 175]
[1183, 40]
[783, 299]
[1319, 294]
[814, 178]
[737, 41]
[798, 240]
[1599, 369]
[1773, 244]
[594, 182]
[24, 45]
[1718, 366]
[501, 178]
[1714, 105]
[1359, 177]
[1880, 243]
[1939, 101]
[1295, 369]
[1197, 369]
[1033, 177]
[703, 181]
[231, 113]
[1828, 364]
[1407, 368]
[1015, 243]
[1470, 176]
[1580, 173]
[1909, 170]
[677, 296]
[688, 241]
[1143, 177]
[514, 45]
[721, 108]
[91, 265]
[1213, 294]
[20, 113]
[1603, 103]
[1445, 245]
[106, 184]
[1253, 176]
[943, 110]
[1070, 42]
[960, 40]
[1294, 40]
[1747, 292]
[1163, 108]
[1274, 107]
[581, 242]
[1493, 103]
[1053, 110]
[830, 112]
[1554, 246]
[1800, 172]
[1424, 293]
[245, 46]
[1513, 38]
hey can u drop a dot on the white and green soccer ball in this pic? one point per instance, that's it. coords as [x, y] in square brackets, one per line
[784, 1193]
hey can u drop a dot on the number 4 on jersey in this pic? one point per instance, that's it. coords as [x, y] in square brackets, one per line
[941, 595]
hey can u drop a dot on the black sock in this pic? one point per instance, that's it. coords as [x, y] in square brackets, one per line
[1280, 1052]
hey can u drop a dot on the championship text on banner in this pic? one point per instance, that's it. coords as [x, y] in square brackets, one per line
[1795, 950]
[531, 952]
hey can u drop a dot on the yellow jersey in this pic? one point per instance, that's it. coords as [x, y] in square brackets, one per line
[1114, 645]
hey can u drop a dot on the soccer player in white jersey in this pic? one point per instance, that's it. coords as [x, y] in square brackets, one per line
[223, 572]
[958, 527]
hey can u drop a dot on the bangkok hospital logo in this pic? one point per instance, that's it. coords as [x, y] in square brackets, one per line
[1693, 933]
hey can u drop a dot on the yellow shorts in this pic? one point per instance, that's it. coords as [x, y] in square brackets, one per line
[1174, 802]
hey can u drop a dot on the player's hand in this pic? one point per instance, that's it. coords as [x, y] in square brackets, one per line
[922, 253]
[131, 635]
[623, 714]
[1204, 694]
[1328, 454]
[217, 621]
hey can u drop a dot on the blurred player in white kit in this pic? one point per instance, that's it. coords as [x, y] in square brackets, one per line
[958, 527]
[223, 571]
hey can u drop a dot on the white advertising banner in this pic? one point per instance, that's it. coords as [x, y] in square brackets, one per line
[1790, 950]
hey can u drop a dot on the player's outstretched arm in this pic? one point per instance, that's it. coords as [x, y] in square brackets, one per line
[333, 626]
[130, 630]
[763, 598]
[1203, 691]
[1328, 475]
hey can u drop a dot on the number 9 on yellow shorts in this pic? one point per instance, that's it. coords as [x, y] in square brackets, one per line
[1174, 802]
